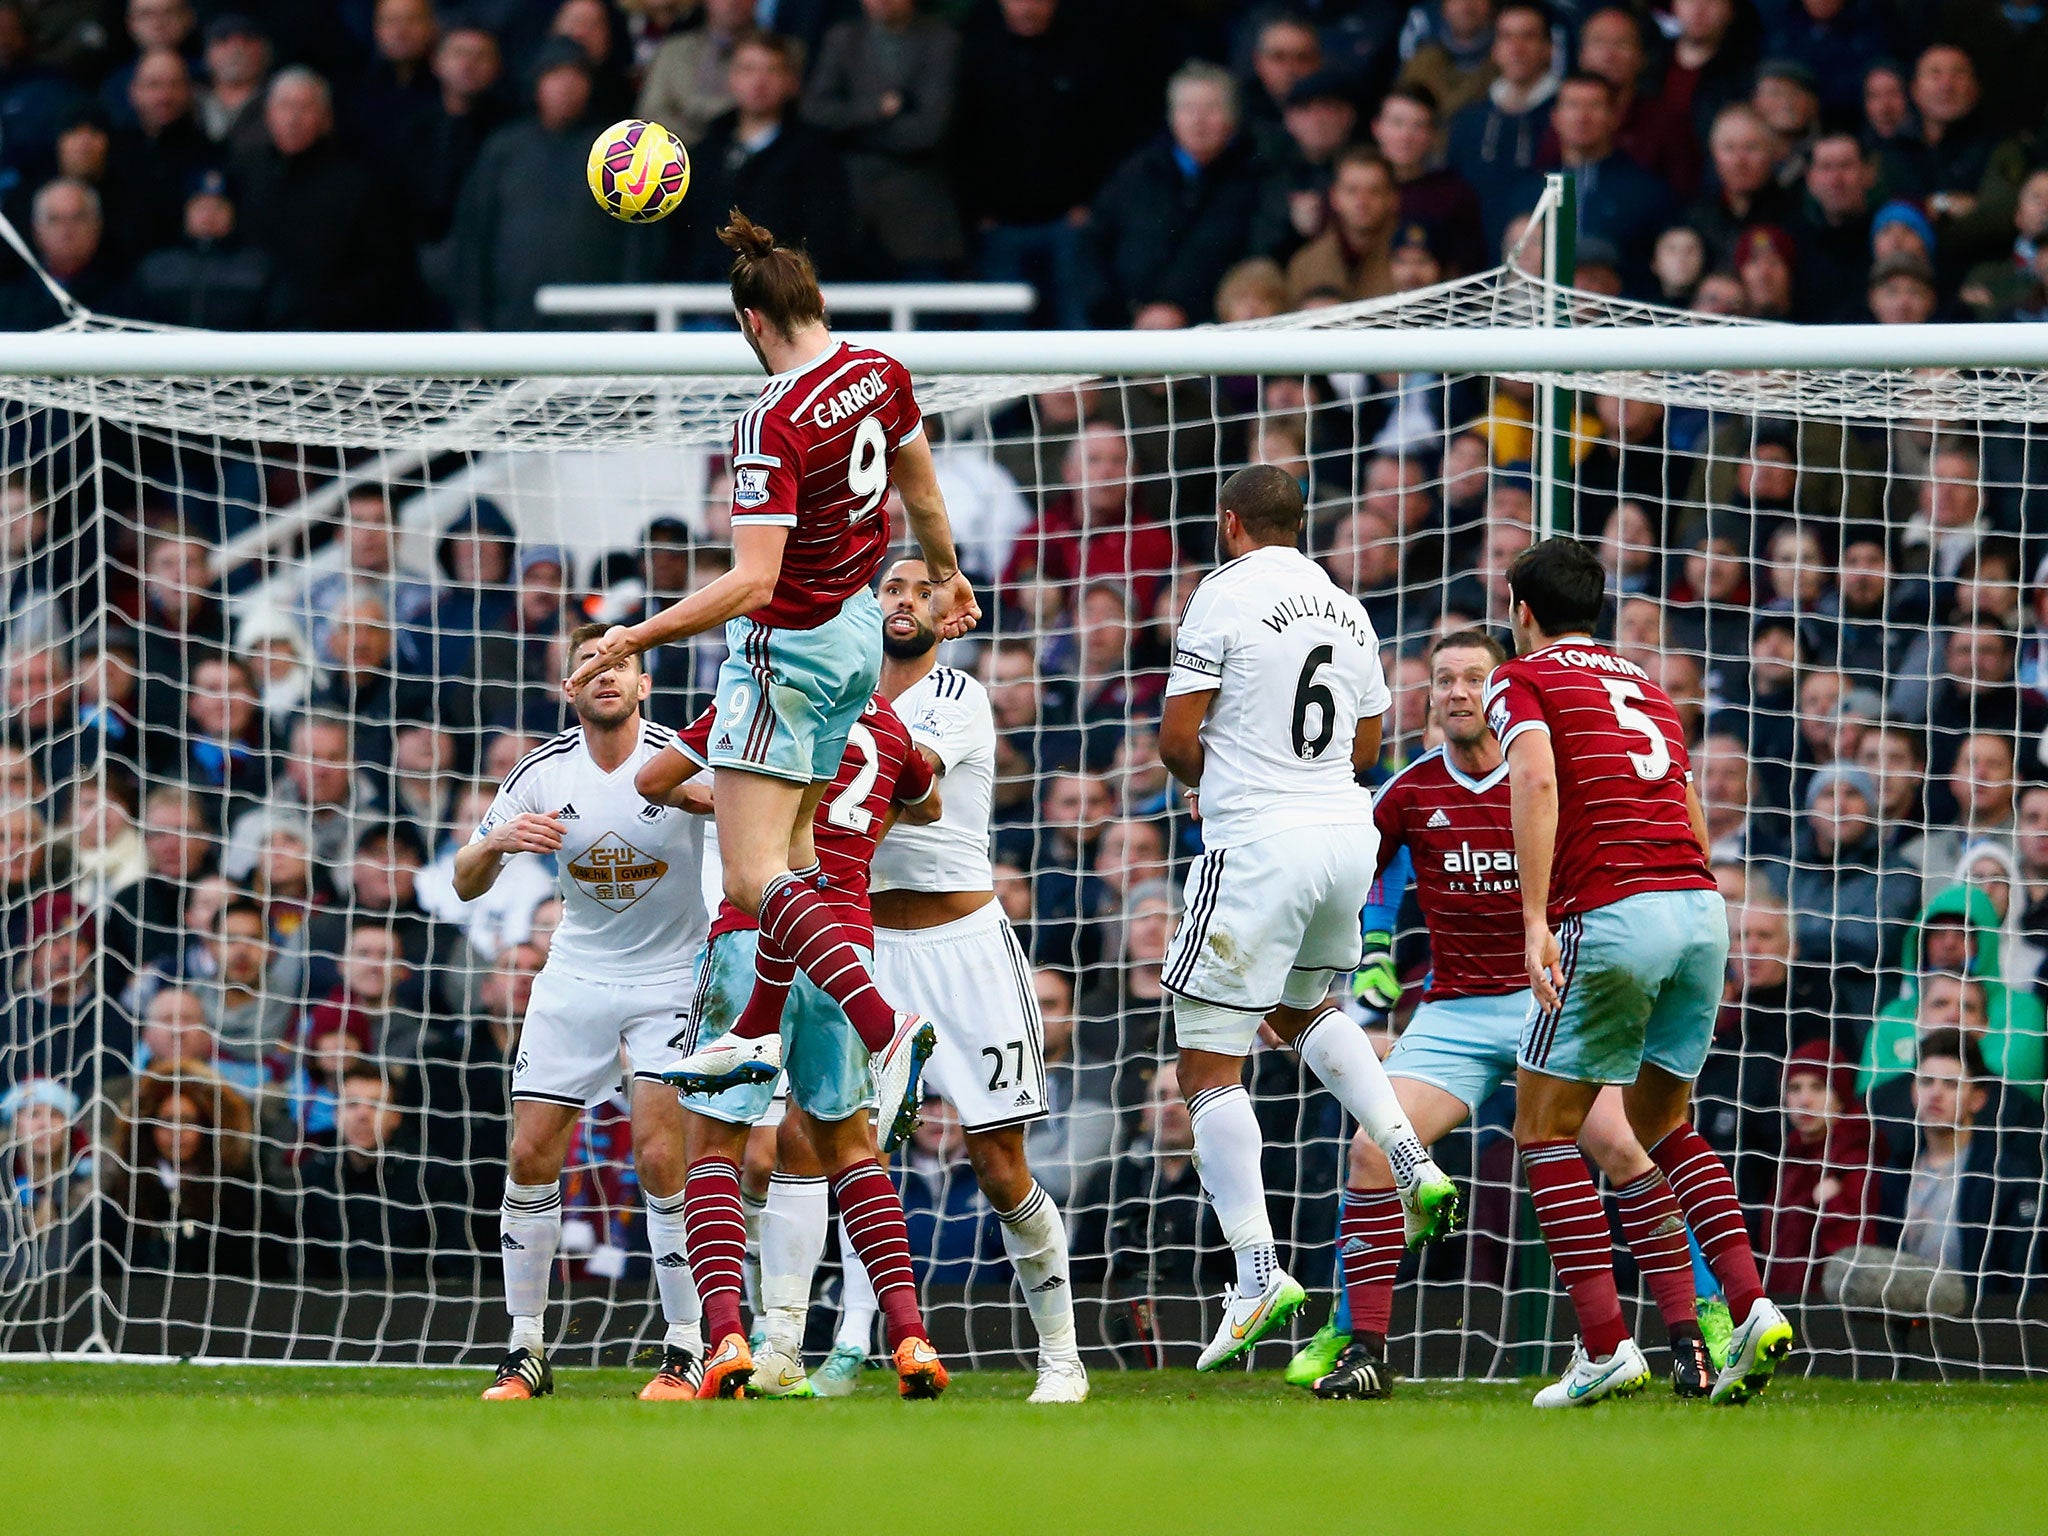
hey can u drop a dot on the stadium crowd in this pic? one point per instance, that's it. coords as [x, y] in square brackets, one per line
[250, 1029]
[398, 163]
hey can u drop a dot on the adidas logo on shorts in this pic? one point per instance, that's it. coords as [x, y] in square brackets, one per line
[1024, 1097]
[1437, 819]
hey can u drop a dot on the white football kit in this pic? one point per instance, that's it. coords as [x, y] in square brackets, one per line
[620, 968]
[969, 976]
[1271, 909]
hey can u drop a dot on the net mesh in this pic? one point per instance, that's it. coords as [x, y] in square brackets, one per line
[274, 641]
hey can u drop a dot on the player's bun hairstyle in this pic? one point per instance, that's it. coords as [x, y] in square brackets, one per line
[1563, 583]
[1267, 500]
[1470, 639]
[775, 281]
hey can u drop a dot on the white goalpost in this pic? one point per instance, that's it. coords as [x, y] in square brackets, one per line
[280, 610]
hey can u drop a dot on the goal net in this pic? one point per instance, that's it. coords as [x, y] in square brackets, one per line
[270, 642]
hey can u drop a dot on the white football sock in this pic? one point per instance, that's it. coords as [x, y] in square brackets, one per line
[858, 1307]
[530, 1229]
[1336, 1050]
[792, 1243]
[1036, 1240]
[1227, 1148]
[751, 1207]
[680, 1307]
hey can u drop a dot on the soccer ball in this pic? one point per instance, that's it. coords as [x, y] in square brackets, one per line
[638, 171]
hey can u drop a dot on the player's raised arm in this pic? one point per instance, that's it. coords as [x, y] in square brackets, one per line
[477, 865]
[756, 567]
[670, 777]
[916, 477]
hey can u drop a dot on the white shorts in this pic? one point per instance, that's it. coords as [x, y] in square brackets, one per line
[1264, 923]
[575, 1029]
[970, 978]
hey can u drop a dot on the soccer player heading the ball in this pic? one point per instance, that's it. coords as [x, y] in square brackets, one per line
[1626, 942]
[813, 460]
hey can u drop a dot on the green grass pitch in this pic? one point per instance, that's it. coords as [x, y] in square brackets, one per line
[123, 1448]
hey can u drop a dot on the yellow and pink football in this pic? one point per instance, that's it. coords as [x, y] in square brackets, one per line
[639, 171]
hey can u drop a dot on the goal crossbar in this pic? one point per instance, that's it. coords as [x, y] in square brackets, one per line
[1462, 349]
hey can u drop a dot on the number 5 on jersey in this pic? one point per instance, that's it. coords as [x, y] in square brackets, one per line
[1625, 696]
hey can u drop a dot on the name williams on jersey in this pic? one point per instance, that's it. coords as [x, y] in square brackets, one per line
[1306, 606]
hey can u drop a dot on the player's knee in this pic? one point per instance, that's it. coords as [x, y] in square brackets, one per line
[1613, 1149]
[758, 1165]
[533, 1159]
[743, 889]
[659, 1165]
[1369, 1166]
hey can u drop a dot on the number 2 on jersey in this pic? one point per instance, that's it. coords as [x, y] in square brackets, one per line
[867, 472]
[1624, 696]
[847, 808]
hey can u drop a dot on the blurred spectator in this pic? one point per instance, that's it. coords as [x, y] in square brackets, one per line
[248, 1007]
[1960, 1201]
[368, 544]
[143, 928]
[320, 215]
[1098, 527]
[1126, 1013]
[2009, 286]
[1619, 201]
[174, 1029]
[686, 85]
[1496, 143]
[211, 279]
[397, 88]
[1711, 59]
[1833, 230]
[1826, 1194]
[1286, 50]
[1744, 189]
[884, 88]
[182, 1179]
[1350, 256]
[1650, 128]
[1959, 934]
[761, 157]
[1147, 1229]
[107, 856]
[1173, 218]
[63, 1024]
[523, 220]
[1978, 800]
[68, 230]
[153, 26]
[1437, 197]
[1450, 52]
[1320, 119]
[160, 155]
[1027, 196]
[1080, 1132]
[502, 918]
[448, 134]
[1853, 894]
[48, 1171]
[34, 99]
[230, 105]
[951, 1226]
[374, 1208]
[1941, 165]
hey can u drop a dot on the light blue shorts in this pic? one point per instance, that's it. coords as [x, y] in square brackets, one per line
[1463, 1045]
[823, 1060]
[788, 697]
[1642, 982]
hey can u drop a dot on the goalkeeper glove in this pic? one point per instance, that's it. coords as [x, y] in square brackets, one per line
[1376, 983]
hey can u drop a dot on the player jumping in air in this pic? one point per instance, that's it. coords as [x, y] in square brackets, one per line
[1450, 810]
[1626, 945]
[882, 775]
[1273, 704]
[632, 921]
[813, 460]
